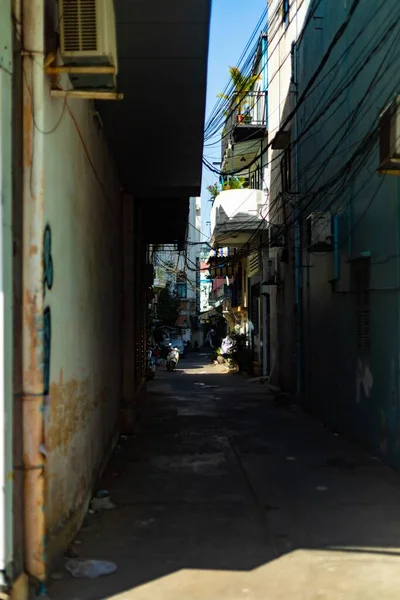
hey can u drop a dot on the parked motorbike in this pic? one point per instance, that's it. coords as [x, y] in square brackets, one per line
[172, 359]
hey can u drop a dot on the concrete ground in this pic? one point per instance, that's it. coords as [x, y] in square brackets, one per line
[222, 495]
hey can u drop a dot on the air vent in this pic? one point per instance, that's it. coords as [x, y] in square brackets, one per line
[361, 276]
[254, 264]
[80, 26]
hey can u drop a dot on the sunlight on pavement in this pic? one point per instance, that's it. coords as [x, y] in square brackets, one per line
[303, 575]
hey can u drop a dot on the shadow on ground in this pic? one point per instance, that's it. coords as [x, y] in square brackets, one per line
[223, 495]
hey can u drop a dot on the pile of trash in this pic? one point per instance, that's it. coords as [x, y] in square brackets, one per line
[84, 568]
[101, 501]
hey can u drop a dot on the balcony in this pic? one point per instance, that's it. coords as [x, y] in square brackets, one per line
[160, 278]
[235, 215]
[219, 295]
[246, 120]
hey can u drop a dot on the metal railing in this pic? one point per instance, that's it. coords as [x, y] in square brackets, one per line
[245, 110]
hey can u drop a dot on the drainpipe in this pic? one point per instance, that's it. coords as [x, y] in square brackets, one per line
[32, 280]
[298, 275]
[265, 340]
[264, 50]
[6, 323]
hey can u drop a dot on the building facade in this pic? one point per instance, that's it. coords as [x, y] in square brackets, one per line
[239, 210]
[75, 274]
[333, 90]
[179, 271]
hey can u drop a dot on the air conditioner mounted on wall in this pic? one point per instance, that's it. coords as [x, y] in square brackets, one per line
[319, 232]
[389, 139]
[88, 38]
[272, 275]
[276, 236]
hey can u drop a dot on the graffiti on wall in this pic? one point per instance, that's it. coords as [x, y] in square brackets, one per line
[47, 285]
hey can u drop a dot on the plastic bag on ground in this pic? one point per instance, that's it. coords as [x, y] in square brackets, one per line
[102, 504]
[90, 569]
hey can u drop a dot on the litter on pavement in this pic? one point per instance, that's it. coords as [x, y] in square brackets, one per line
[90, 569]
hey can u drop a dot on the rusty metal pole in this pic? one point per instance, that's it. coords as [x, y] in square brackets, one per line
[6, 300]
[33, 297]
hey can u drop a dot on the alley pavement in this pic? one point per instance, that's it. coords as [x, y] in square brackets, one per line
[224, 495]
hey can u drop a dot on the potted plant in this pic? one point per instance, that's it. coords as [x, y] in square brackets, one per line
[243, 84]
[241, 353]
[234, 183]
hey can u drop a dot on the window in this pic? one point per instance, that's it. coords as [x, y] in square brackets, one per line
[360, 277]
[181, 290]
[285, 12]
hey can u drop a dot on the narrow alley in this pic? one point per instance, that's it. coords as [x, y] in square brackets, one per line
[224, 494]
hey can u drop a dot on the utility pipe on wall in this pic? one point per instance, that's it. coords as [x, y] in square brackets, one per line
[32, 282]
[265, 340]
[6, 324]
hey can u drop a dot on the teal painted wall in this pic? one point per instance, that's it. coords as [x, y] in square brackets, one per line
[357, 392]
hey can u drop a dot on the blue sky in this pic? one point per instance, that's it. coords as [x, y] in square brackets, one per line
[232, 23]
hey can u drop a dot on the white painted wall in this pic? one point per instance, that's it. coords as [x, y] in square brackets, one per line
[82, 209]
[236, 211]
[280, 102]
[193, 247]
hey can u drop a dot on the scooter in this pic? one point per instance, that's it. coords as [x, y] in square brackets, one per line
[172, 359]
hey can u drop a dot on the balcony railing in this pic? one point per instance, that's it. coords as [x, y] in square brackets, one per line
[246, 117]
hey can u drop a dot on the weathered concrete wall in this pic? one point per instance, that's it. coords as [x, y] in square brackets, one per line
[83, 287]
[281, 98]
[356, 390]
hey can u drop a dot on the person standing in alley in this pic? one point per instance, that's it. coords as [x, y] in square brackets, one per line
[210, 337]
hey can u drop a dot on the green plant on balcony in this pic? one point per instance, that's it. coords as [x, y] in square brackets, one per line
[243, 85]
[234, 183]
[214, 190]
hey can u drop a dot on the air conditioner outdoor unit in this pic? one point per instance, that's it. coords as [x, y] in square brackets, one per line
[271, 277]
[319, 232]
[389, 138]
[88, 38]
[276, 236]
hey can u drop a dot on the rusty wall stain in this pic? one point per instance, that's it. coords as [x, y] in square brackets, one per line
[33, 249]
[70, 409]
